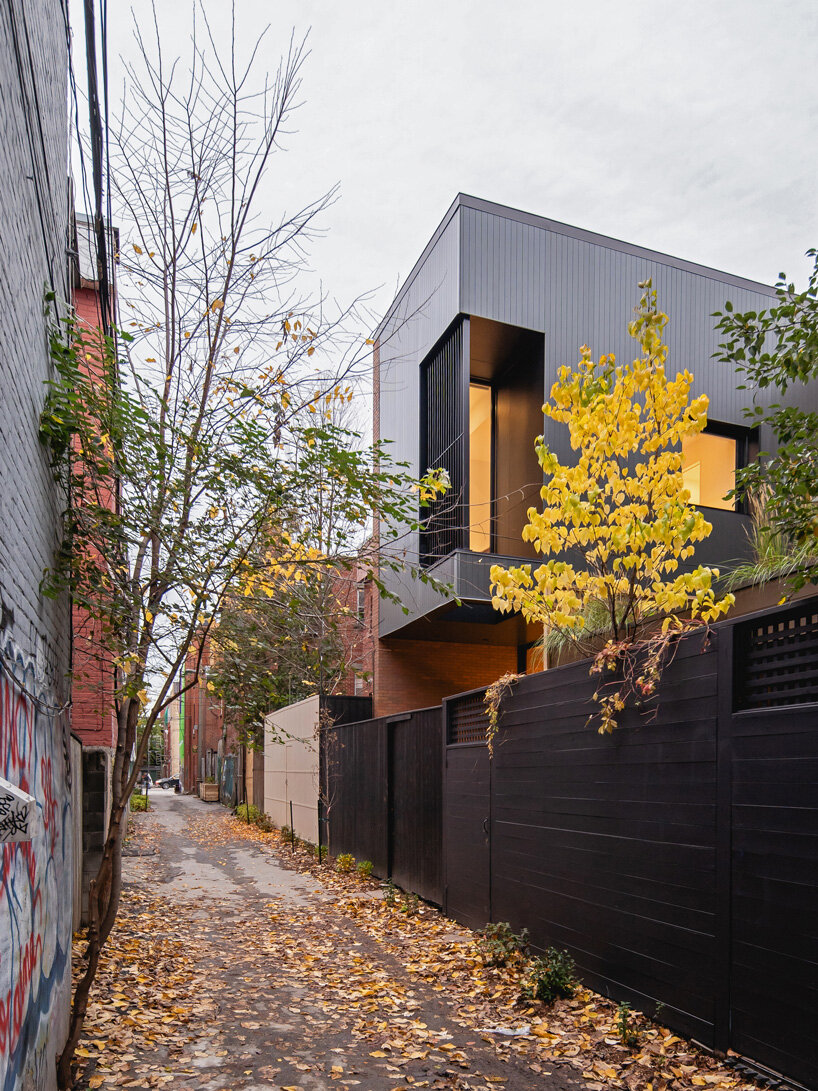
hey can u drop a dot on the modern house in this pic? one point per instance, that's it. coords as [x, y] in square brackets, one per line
[467, 353]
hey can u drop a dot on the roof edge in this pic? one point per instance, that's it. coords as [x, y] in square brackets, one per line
[608, 241]
[421, 261]
[464, 200]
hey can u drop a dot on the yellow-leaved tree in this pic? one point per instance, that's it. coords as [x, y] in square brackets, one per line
[617, 524]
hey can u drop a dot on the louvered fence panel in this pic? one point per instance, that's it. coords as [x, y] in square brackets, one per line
[777, 660]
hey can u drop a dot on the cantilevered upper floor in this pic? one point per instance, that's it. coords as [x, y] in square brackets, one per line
[498, 301]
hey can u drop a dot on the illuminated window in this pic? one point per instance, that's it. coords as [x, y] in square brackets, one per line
[709, 469]
[480, 434]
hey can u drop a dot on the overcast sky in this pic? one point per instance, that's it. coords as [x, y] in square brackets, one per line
[685, 126]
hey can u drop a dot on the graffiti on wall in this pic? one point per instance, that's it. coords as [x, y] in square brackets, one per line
[36, 883]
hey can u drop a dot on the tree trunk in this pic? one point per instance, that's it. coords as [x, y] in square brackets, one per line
[106, 888]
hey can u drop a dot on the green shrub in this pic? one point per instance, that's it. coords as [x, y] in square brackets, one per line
[286, 833]
[139, 802]
[312, 849]
[627, 1031]
[390, 892]
[551, 977]
[247, 812]
[365, 869]
[345, 863]
[499, 945]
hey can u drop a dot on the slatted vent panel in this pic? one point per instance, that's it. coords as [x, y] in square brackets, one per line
[468, 720]
[777, 660]
[444, 444]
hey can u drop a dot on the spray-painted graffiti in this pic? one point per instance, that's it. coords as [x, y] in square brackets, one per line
[36, 884]
[18, 813]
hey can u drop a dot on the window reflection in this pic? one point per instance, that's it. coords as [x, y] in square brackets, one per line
[709, 469]
[480, 434]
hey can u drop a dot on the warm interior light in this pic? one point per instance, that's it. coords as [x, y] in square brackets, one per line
[479, 467]
[709, 469]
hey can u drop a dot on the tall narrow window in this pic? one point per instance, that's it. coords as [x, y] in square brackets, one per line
[709, 469]
[480, 444]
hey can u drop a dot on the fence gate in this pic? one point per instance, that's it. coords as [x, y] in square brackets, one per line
[414, 802]
[227, 780]
[774, 851]
[467, 811]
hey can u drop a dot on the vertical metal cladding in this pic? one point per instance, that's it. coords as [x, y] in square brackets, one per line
[444, 443]
[580, 288]
[576, 287]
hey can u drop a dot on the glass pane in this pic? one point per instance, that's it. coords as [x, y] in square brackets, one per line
[479, 467]
[709, 469]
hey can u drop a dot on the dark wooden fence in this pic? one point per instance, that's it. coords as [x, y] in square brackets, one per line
[383, 797]
[677, 860]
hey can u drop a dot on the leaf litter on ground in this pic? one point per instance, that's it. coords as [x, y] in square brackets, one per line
[154, 991]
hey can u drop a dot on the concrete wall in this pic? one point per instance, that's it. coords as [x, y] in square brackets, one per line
[37, 885]
[291, 767]
[254, 773]
[173, 744]
[76, 836]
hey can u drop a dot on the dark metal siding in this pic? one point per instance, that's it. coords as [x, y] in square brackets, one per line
[774, 948]
[346, 710]
[356, 792]
[444, 442]
[425, 308]
[579, 288]
[675, 859]
[583, 292]
[415, 803]
[384, 797]
[604, 845]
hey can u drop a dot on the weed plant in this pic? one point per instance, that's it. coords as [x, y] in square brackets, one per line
[345, 863]
[628, 1034]
[552, 977]
[499, 945]
[409, 906]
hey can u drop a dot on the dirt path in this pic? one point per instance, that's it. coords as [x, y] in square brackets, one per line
[231, 971]
[238, 965]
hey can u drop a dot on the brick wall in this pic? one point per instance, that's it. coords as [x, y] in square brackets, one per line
[93, 717]
[419, 673]
[204, 720]
[36, 921]
[357, 632]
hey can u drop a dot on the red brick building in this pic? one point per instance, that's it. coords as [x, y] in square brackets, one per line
[357, 600]
[208, 741]
[93, 714]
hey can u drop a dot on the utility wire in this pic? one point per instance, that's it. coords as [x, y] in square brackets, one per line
[98, 141]
[43, 706]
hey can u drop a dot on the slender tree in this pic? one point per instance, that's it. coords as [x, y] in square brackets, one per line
[617, 523]
[185, 441]
[777, 351]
